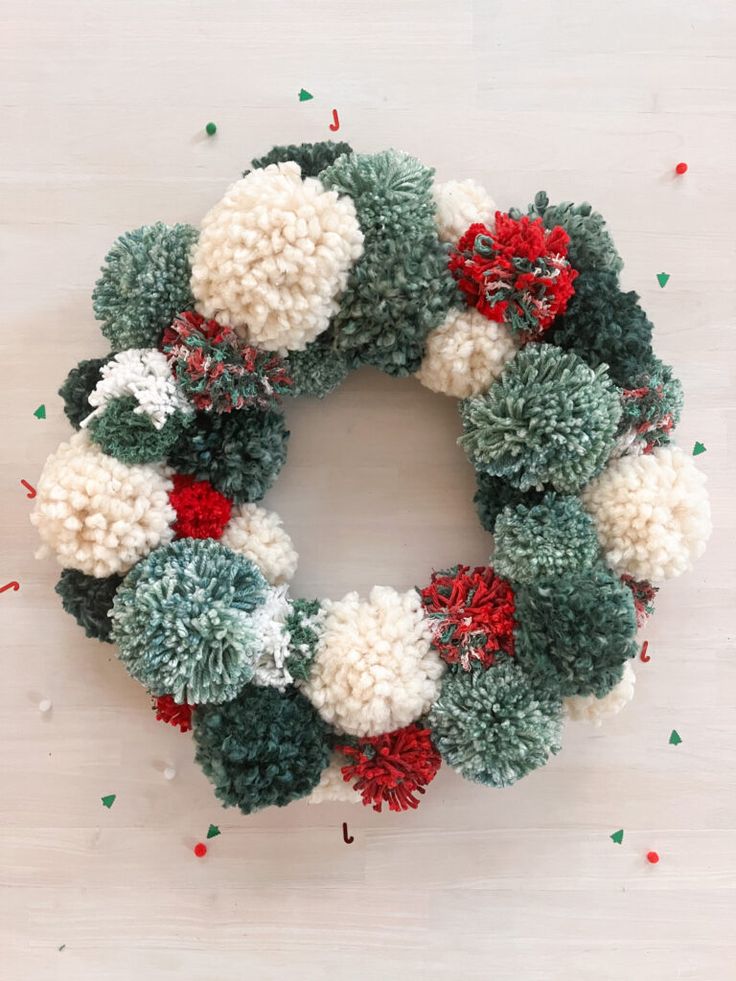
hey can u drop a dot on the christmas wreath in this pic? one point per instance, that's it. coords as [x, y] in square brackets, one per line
[317, 261]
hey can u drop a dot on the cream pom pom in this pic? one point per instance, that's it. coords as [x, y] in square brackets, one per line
[99, 515]
[259, 536]
[331, 787]
[460, 204]
[466, 354]
[273, 256]
[588, 708]
[652, 513]
[375, 669]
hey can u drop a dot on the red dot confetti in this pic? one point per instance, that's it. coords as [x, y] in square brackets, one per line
[200, 849]
[681, 168]
[652, 858]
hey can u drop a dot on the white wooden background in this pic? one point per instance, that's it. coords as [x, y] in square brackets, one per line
[103, 106]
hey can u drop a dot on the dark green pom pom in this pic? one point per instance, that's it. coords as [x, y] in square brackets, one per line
[89, 601]
[495, 493]
[301, 625]
[77, 387]
[317, 370]
[311, 157]
[130, 436]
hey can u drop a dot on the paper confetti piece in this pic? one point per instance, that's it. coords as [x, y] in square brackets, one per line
[675, 738]
[681, 168]
[652, 858]
[31, 490]
[662, 279]
[643, 656]
[698, 449]
[109, 800]
[348, 839]
[304, 96]
[335, 124]
[213, 831]
[40, 412]
[210, 129]
[617, 836]
[200, 849]
[62, 947]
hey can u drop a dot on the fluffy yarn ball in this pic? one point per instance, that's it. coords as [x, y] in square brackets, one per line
[201, 511]
[493, 494]
[304, 626]
[273, 256]
[260, 536]
[144, 284]
[375, 669]
[460, 204]
[311, 157]
[651, 409]
[77, 388]
[553, 538]
[240, 453]
[182, 620]
[550, 419]
[332, 788]
[493, 726]
[264, 748]
[588, 708]
[99, 515]
[89, 601]
[127, 434]
[574, 635]
[466, 354]
[651, 512]
[317, 370]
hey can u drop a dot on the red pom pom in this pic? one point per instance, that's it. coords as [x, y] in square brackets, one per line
[392, 768]
[201, 511]
[471, 614]
[517, 274]
[167, 710]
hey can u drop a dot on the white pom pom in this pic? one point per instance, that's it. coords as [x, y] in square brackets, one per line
[459, 205]
[259, 536]
[331, 787]
[588, 708]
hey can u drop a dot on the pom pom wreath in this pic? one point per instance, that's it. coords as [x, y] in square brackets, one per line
[591, 246]
[216, 371]
[99, 515]
[460, 204]
[375, 669]
[331, 787]
[201, 511]
[392, 768]
[89, 601]
[471, 614]
[259, 535]
[174, 714]
[144, 284]
[644, 595]
[493, 726]
[493, 494]
[312, 158]
[401, 288]
[516, 273]
[264, 748]
[317, 370]
[588, 708]
[183, 622]
[121, 431]
[239, 453]
[573, 635]
[303, 625]
[603, 325]
[273, 256]
[553, 538]
[651, 512]
[651, 409]
[466, 354]
[550, 419]
[77, 388]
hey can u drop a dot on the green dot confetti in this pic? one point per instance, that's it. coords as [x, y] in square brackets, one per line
[213, 831]
[698, 449]
[109, 800]
[662, 279]
[675, 738]
[40, 412]
[618, 836]
[304, 96]
[210, 129]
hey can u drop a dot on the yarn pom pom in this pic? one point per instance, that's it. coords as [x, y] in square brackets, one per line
[259, 535]
[493, 726]
[493, 494]
[89, 601]
[651, 409]
[574, 635]
[171, 712]
[144, 284]
[312, 158]
[644, 594]
[331, 787]
[201, 511]
[460, 204]
[392, 768]
[77, 388]
[216, 371]
[471, 614]
[550, 419]
[553, 538]
[239, 453]
[588, 708]
[317, 370]
[303, 626]
[183, 624]
[516, 273]
[264, 748]
[127, 434]
[652, 513]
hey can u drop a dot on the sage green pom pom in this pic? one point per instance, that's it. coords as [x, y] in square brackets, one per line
[240, 453]
[77, 387]
[265, 748]
[181, 620]
[653, 405]
[591, 246]
[553, 538]
[400, 288]
[89, 601]
[574, 635]
[550, 419]
[494, 494]
[130, 436]
[317, 370]
[605, 326]
[311, 157]
[302, 626]
[144, 284]
[492, 726]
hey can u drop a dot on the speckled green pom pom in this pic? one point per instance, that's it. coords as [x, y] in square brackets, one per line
[400, 288]
[652, 407]
[492, 726]
[240, 453]
[130, 436]
[89, 601]
[265, 748]
[553, 538]
[317, 370]
[77, 387]
[313, 158]
[574, 634]
[550, 419]
[181, 620]
[493, 494]
[144, 284]
[302, 625]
